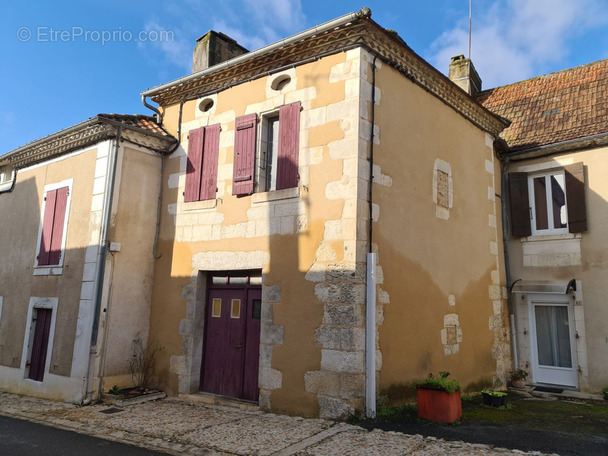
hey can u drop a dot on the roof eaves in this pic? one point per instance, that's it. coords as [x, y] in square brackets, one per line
[91, 131]
[571, 145]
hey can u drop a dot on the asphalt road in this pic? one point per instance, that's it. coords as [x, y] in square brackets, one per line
[23, 438]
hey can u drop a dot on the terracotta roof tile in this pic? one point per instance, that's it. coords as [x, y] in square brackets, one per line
[137, 120]
[556, 107]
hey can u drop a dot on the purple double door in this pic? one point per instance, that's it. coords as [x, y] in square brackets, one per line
[232, 342]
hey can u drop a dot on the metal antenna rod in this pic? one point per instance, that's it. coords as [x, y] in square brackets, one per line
[470, 25]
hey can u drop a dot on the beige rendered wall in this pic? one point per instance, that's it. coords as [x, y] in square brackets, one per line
[304, 241]
[129, 272]
[21, 211]
[441, 284]
[582, 257]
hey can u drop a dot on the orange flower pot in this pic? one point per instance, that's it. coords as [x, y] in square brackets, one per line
[439, 406]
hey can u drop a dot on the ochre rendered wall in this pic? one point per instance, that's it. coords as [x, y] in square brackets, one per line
[438, 243]
[291, 235]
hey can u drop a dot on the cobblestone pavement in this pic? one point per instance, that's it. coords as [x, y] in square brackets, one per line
[178, 426]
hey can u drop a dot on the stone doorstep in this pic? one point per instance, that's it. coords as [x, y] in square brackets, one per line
[124, 402]
[528, 390]
[213, 399]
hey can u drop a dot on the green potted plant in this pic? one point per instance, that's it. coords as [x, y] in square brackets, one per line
[494, 398]
[439, 399]
[518, 378]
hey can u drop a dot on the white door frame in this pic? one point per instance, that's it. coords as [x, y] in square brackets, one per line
[540, 374]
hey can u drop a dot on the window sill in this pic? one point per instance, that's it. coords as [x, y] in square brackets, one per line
[275, 195]
[48, 270]
[199, 205]
[550, 237]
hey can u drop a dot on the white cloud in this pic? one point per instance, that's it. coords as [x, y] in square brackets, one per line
[252, 24]
[175, 48]
[517, 39]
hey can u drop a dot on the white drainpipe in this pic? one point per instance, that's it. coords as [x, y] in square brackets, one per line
[370, 338]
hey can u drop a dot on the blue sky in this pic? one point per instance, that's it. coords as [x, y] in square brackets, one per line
[62, 62]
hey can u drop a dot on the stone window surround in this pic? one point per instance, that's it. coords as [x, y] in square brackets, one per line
[442, 209]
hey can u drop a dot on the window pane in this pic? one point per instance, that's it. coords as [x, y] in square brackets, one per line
[216, 310]
[235, 310]
[558, 195]
[540, 203]
[256, 309]
[272, 153]
[553, 336]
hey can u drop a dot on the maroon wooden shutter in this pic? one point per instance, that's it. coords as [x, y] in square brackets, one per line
[289, 138]
[244, 155]
[195, 163]
[58, 222]
[575, 194]
[520, 205]
[40, 344]
[47, 228]
[211, 151]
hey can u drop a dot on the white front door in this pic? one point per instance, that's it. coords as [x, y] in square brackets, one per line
[552, 340]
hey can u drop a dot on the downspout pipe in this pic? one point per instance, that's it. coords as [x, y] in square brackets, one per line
[504, 162]
[159, 116]
[370, 297]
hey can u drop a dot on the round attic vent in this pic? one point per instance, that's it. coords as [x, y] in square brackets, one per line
[205, 105]
[280, 82]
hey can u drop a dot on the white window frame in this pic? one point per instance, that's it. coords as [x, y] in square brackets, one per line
[38, 303]
[58, 268]
[549, 203]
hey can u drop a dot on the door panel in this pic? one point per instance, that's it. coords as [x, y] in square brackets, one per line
[40, 344]
[232, 343]
[222, 371]
[252, 347]
[553, 350]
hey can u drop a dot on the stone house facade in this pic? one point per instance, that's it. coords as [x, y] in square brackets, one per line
[554, 156]
[75, 205]
[314, 220]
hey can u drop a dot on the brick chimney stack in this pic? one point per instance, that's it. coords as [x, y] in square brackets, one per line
[213, 48]
[463, 74]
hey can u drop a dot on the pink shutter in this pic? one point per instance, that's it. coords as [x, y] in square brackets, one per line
[289, 137]
[193, 168]
[58, 222]
[244, 155]
[211, 151]
[47, 228]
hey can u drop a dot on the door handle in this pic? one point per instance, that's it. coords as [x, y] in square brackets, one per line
[238, 346]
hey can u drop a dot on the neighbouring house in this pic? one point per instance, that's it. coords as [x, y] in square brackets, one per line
[330, 229]
[79, 216]
[556, 157]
